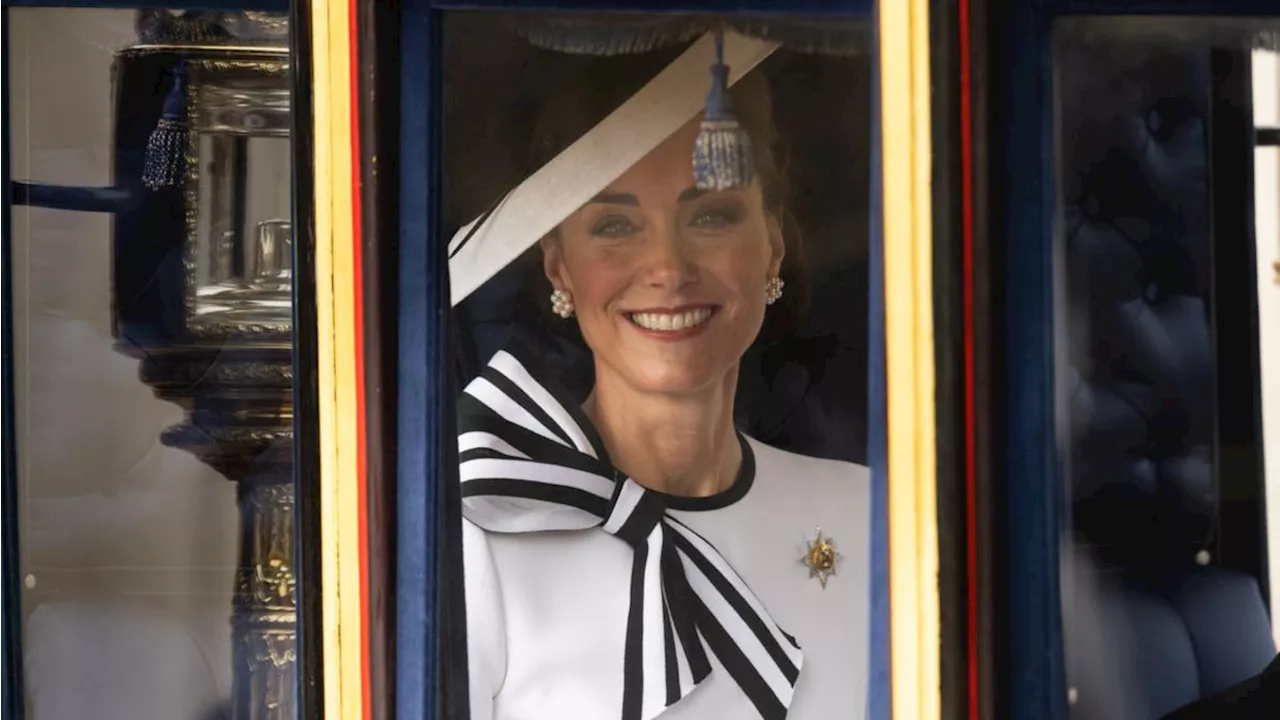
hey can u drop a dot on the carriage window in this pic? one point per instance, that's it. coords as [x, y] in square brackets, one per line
[1165, 544]
[659, 264]
[150, 247]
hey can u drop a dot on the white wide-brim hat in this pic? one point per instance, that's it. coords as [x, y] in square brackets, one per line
[483, 247]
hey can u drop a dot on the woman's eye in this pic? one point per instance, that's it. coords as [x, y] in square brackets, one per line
[717, 217]
[613, 226]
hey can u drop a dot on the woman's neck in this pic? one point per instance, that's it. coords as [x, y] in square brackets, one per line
[679, 444]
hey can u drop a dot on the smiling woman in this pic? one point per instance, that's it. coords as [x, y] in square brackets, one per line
[644, 515]
[653, 258]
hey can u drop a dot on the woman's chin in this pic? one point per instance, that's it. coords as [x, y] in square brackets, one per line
[675, 377]
[689, 366]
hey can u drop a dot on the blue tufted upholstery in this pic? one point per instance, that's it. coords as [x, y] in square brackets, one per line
[1147, 629]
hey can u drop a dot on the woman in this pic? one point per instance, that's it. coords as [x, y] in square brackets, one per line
[632, 554]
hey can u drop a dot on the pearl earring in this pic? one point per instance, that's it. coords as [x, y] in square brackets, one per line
[773, 290]
[562, 304]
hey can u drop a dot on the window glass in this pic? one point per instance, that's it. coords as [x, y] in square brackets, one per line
[151, 247]
[1165, 581]
[660, 301]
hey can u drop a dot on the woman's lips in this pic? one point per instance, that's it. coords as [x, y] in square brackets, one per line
[672, 324]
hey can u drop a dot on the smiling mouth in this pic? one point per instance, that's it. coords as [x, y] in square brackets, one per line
[671, 321]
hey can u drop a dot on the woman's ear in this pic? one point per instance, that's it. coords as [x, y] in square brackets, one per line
[777, 246]
[553, 262]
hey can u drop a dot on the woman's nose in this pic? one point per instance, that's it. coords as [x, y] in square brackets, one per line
[669, 261]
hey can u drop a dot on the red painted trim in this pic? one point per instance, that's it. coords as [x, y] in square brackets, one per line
[970, 418]
[357, 342]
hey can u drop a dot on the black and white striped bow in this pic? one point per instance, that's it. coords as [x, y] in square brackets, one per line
[530, 461]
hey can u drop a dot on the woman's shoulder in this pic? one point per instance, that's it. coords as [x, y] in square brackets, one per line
[778, 473]
[772, 461]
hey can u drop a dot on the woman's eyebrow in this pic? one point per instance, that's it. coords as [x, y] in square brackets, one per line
[612, 198]
[609, 198]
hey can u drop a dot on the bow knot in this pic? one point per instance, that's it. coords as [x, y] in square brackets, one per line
[635, 513]
[530, 461]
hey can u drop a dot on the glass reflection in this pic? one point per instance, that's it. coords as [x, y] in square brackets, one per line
[1164, 583]
[243, 242]
[661, 331]
[152, 243]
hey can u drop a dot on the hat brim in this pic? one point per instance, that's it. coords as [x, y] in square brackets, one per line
[480, 249]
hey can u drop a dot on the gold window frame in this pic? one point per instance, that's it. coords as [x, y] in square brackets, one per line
[343, 580]
[906, 157]
[907, 186]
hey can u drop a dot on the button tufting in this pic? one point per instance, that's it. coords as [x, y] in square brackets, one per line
[1154, 121]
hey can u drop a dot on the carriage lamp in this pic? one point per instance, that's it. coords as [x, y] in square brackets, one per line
[202, 281]
[203, 298]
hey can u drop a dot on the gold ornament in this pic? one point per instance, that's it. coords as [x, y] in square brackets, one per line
[821, 558]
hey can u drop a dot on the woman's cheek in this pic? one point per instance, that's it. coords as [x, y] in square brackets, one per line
[738, 265]
[598, 283]
[604, 267]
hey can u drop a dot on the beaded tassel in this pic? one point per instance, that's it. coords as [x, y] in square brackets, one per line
[722, 156]
[165, 165]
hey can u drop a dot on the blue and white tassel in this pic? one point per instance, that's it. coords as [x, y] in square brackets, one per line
[165, 165]
[722, 157]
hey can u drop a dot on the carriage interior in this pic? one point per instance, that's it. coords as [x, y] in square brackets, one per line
[1165, 574]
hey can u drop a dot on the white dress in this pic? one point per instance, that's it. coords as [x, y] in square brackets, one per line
[546, 611]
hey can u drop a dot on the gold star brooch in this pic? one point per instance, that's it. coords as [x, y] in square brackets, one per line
[821, 558]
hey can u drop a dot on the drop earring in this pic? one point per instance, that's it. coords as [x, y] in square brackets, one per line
[562, 304]
[773, 290]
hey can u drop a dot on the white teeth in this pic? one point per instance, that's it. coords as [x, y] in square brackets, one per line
[671, 322]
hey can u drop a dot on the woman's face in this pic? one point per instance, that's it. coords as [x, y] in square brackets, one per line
[667, 281]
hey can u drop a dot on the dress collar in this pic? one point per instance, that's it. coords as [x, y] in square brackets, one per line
[529, 461]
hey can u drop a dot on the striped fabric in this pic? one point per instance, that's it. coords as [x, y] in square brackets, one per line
[530, 461]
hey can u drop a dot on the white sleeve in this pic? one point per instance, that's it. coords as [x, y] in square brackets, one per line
[486, 622]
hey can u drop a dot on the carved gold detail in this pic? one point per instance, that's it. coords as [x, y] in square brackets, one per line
[212, 371]
[178, 434]
[240, 331]
[278, 649]
[274, 22]
[271, 581]
[270, 662]
[267, 61]
[269, 68]
[275, 582]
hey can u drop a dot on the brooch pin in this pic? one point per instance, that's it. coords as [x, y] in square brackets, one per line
[821, 558]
